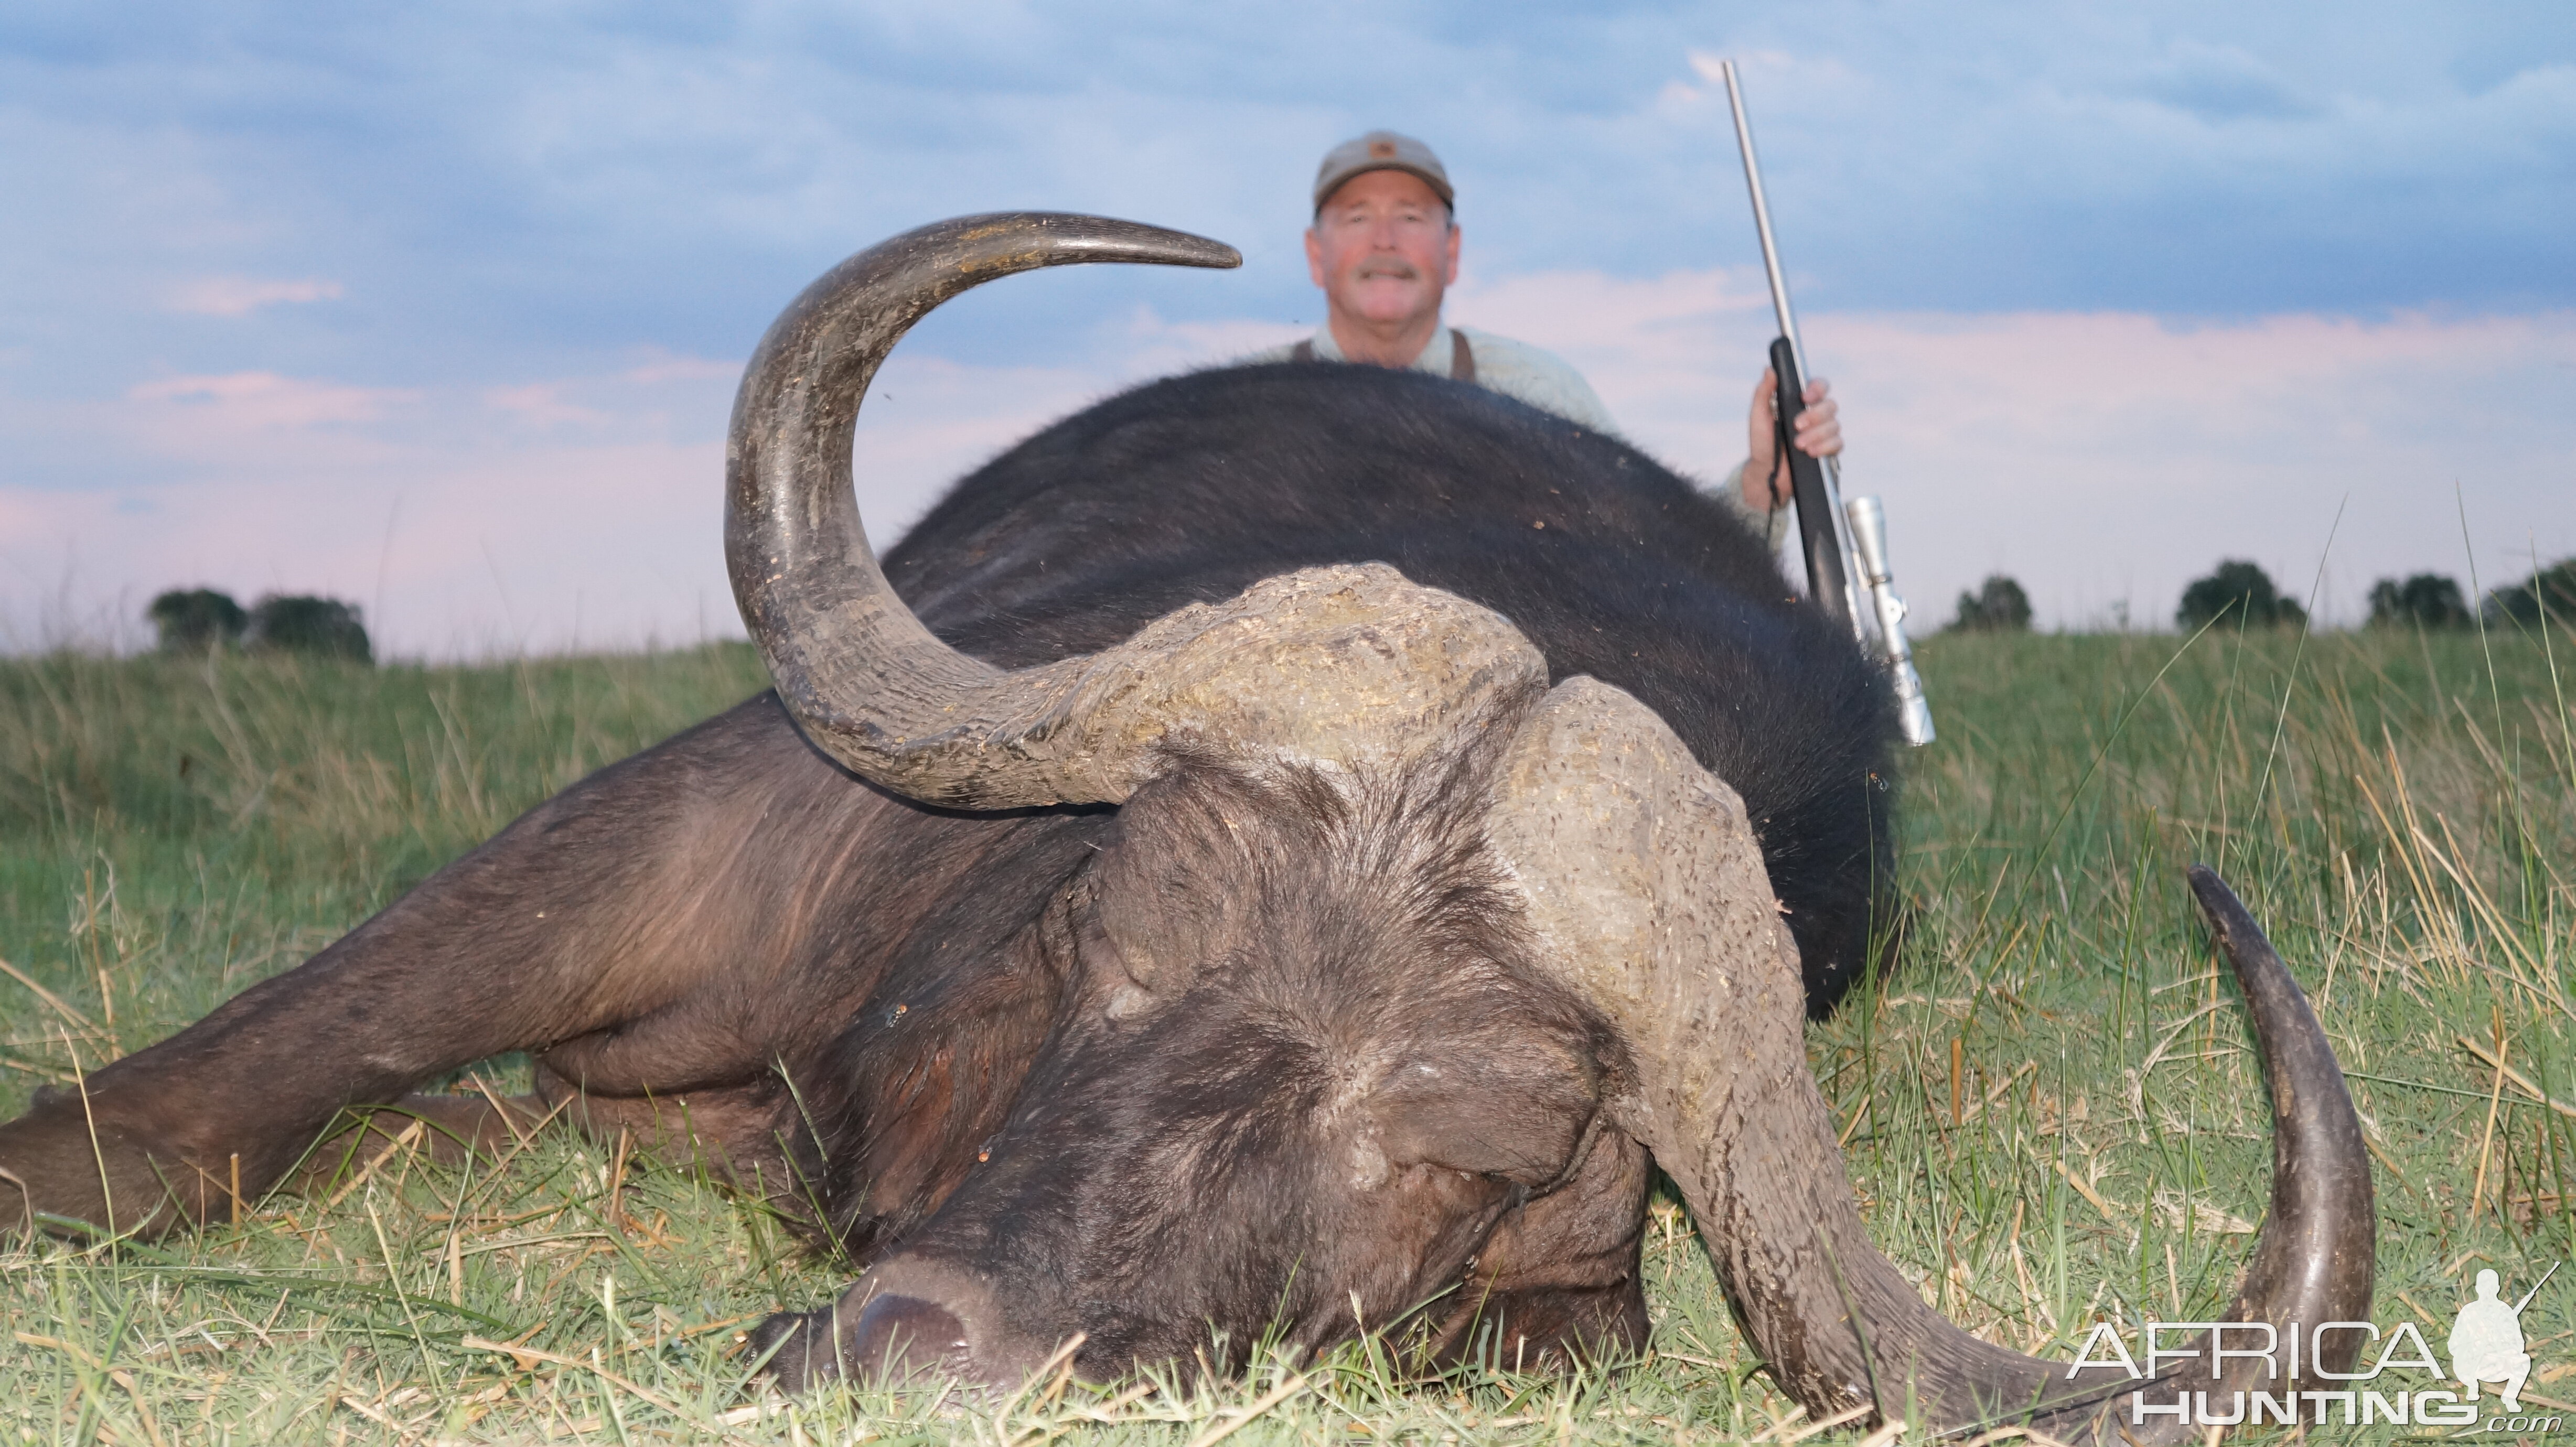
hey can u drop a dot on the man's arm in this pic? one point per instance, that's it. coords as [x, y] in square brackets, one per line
[1765, 477]
[1758, 488]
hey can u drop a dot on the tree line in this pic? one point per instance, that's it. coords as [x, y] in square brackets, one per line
[2238, 592]
[196, 620]
[202, 620]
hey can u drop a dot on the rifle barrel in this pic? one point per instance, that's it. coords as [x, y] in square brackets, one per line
[1844, 534]
[2535, 1288]
[1762, 216]
[1833, 523]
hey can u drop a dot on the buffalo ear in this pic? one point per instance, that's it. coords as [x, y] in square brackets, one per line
[1519, 1115]
[1133, 957]
[1174, 886]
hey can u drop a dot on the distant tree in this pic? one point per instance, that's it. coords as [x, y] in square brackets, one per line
[323, 627]
[2244, 592]
[193, 620]
[2426, 600]
[2552, 588]
[1998, 606]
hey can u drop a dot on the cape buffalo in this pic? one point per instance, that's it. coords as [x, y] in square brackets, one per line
[1283, 844]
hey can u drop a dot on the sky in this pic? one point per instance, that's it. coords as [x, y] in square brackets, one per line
[440, 309]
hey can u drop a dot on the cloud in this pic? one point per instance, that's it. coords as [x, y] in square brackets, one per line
[239, 296]
[541, 404]
[2104, 459]
[450, 554]
[1672, 355]
[2079, 268]
[574, 512]
[267, 399]
[611, 178]
[2222, 83]
[203, 417]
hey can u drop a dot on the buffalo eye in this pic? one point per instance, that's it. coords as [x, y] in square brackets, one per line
[1368, 1164]
[1128, 1001]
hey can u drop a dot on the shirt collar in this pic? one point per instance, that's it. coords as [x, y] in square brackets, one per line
[1434, 357]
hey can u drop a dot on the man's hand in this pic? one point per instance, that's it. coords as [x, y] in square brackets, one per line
[1820, 434]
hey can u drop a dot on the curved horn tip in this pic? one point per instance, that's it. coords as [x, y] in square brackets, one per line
[1075, 236]
[2226, 913]
[1160, 245]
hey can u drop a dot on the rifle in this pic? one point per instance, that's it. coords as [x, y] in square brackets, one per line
[1830, 532]
[2535, 1288]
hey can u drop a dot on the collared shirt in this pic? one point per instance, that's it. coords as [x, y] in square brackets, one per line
[1515, 369]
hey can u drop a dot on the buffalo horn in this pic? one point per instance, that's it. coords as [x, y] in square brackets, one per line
[1646, 888]
[1349, 666]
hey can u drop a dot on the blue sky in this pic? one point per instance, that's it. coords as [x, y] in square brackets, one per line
[364, 300]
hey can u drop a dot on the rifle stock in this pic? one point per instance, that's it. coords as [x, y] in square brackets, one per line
[1827, 582]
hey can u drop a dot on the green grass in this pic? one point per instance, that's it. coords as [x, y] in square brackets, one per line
[2400, 812]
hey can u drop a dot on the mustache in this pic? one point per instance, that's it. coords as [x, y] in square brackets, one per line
[1394, 267]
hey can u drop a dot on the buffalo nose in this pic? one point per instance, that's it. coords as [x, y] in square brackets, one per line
[899, 1338]
[896, 1339]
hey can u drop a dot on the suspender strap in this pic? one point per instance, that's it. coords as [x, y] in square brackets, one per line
[1462, 358]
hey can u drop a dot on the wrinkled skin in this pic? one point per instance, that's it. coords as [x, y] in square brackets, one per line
[1394, 1134]
[1220, 1073]
[1300, 1132]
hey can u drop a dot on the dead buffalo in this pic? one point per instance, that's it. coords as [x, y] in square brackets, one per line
[1290, 841]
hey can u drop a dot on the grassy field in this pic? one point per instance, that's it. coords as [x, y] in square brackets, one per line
[2051, 1110]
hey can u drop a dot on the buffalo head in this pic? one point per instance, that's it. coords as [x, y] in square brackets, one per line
[1390, 939]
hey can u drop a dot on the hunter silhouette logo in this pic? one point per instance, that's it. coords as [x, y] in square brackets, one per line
[2486, 1342]
[2486, 1345]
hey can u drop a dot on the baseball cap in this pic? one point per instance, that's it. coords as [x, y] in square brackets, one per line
[1381, 151]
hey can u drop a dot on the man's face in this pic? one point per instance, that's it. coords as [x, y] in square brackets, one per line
[1382, 248]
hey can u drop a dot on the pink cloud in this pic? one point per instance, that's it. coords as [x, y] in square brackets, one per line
[246, 422]
[459, 537]
[541, 404]
[249, 401]
[238, 296]
[2104, 459]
